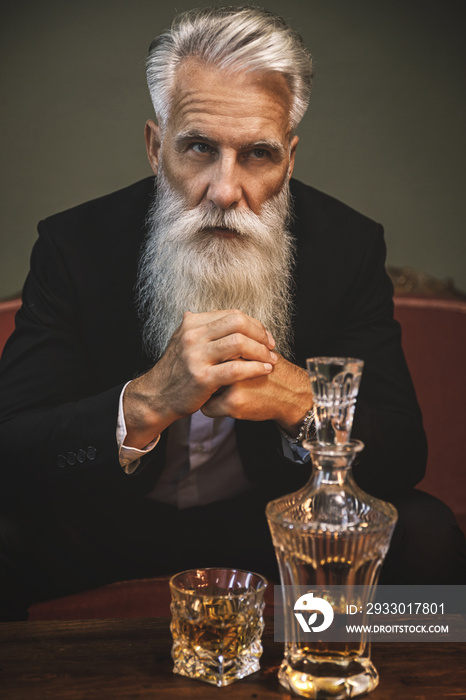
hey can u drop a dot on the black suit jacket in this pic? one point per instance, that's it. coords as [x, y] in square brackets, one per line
[78, 340]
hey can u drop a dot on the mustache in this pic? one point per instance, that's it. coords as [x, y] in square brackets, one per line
[244, 223]
[180, 222]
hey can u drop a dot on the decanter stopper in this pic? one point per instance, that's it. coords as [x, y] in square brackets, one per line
[335, 384]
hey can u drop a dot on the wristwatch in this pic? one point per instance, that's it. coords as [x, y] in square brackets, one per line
[307, 429]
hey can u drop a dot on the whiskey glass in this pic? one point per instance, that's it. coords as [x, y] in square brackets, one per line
[217, 623]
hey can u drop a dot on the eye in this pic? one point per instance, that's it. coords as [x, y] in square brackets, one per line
[201, 148]
[259, 153]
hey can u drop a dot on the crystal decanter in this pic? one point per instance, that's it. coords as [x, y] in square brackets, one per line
[329, 536]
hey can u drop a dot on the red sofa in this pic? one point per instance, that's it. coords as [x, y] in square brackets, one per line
[434, 341]
[8, 309]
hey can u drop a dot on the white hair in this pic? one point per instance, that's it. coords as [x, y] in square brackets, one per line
[183, 267]
[243, 38]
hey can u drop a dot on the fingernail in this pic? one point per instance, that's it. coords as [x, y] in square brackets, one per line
[274, 356]
[268, 366]
[270, 339]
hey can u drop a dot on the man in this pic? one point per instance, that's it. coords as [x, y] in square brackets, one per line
[134, 445]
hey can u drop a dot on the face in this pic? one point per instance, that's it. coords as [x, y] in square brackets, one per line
[227, 142]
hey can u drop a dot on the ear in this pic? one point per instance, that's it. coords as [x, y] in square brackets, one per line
[153, 143]
[293, 146]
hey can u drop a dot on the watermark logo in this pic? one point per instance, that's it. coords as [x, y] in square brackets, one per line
[328, 613]
[307, 603]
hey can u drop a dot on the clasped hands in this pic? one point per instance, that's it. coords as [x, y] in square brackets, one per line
[223, 363]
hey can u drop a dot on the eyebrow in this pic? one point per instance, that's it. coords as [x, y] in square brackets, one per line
[269, 145]
[195, 135]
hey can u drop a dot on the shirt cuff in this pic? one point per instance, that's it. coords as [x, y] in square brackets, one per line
[129, 457]
[295, 451]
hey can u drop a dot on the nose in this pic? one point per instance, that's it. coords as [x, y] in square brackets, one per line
[224, 187]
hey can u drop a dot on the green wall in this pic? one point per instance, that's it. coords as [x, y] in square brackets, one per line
[384, 132]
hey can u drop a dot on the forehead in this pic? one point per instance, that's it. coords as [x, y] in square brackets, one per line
[229, 105]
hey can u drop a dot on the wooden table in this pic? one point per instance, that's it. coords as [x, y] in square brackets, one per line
[111, 659]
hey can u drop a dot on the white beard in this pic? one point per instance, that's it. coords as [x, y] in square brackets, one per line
[183, 267]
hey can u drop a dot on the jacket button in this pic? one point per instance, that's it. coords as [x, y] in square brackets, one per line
[71, 458]
[81, 456]
[91, 453]
[61, 461]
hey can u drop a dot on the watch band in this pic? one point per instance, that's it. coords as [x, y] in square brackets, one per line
[307, 429]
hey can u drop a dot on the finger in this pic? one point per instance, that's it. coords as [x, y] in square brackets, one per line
[219, 323]
[228, 373]
[215, 407]
[237, 345]
[238, 322]
[242, 400]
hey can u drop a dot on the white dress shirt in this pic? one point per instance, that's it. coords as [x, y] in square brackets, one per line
[202, 460]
